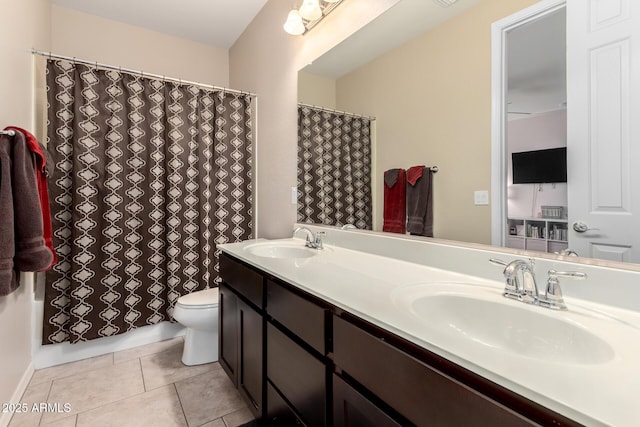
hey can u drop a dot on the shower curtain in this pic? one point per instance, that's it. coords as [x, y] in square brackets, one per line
[149, 177]
[334, 168]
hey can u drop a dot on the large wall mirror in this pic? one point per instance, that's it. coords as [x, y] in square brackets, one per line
[425, 73]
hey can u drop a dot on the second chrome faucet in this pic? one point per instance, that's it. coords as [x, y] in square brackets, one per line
[312, 241]
[521, 283]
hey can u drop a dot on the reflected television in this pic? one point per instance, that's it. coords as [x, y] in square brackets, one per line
[540, 166]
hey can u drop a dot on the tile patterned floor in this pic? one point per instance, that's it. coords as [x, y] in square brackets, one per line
[142, 386]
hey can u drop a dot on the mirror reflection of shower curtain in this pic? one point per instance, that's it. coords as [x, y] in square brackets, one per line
[149, 177]
[334, 168]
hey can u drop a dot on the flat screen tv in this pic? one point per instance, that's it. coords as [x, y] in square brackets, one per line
[540, 166]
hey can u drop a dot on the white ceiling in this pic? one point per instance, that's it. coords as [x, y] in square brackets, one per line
[217, 23]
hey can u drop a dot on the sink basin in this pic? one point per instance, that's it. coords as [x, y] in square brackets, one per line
[477, 317]
[284, 250]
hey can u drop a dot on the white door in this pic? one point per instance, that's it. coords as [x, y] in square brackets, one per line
[603, 128]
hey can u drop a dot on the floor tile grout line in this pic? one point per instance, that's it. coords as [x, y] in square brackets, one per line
[144, 383]
[184, 414]
[46, 400]
[109, 403]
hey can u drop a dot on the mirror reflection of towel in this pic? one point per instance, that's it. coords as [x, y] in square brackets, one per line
[419, 201]
[395, 205]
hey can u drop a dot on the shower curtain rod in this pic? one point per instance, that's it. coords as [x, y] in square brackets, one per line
[141, 73]
[331, 110]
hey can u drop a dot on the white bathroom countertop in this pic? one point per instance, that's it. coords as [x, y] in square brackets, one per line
[368, 285]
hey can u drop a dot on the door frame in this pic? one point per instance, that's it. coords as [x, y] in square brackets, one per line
[499, 30]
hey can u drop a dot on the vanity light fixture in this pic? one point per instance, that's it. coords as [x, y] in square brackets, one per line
[301, 20]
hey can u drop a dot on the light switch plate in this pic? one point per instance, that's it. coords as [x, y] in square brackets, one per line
[294, 195]
[481, 197]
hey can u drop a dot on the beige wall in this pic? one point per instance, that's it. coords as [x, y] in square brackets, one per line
[89, 37]
[432, 101]
[316, 90]
[266, 60]
[25, 25]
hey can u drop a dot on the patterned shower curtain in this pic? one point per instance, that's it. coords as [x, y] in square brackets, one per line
[149, 177]
[334, 168]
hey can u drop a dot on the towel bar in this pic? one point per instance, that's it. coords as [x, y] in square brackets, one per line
[8, 132]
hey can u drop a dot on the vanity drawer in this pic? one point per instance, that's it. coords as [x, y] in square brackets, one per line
[350, 408]
[242, 279]
[415, 390]
[302, 317]
[299, 376]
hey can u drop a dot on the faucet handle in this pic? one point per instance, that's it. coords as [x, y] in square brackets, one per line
[553, 295]
[318, 242]
[497, 261]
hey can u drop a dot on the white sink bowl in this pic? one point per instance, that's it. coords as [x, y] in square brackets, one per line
[473, 316]
[281, 249]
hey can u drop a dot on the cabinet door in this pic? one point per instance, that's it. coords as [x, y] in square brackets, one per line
[536, 245]
[298, 376]
[250, 372]
[515, 242]
[352, 409]
[228, 332]
[279, 414]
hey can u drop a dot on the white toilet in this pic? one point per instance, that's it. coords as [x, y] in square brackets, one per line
[198, 312]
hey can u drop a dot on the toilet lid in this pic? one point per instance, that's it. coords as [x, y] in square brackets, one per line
[206, 297]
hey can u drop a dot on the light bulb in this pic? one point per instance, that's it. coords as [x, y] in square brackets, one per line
[310, 10]
[294, 25]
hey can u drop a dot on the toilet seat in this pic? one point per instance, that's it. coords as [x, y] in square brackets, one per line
[206, 298]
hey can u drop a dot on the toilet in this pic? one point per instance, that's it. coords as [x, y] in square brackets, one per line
[198, 312]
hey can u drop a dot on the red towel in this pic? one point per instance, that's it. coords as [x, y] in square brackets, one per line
[43, 188]
[414, 174]
[395, 204]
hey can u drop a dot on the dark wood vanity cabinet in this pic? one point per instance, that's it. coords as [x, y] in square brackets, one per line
[297, 367]
[241, 335]
[298, 360]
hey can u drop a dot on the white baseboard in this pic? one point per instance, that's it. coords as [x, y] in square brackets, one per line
[5, 418]
[57, 354]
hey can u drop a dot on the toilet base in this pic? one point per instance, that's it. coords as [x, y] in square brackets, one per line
[200, 347]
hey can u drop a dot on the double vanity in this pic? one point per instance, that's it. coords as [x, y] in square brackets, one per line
[374, 329]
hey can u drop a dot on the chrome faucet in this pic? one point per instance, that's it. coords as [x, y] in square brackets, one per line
[521, 284]
[521, 280]
[312, 241]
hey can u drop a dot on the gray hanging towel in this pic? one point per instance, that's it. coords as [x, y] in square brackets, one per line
[8, 282]
[22, 246]
[419, 201]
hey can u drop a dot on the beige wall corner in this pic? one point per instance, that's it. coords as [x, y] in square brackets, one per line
[25, 25]
[266, 60]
